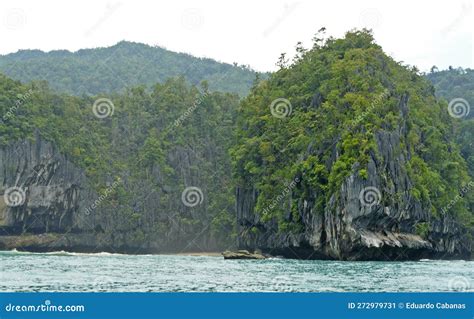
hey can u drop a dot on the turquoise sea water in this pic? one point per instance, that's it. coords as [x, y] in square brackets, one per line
[20, 271]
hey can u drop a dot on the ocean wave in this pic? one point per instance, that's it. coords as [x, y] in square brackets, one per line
[444, 261]
[62, 253]
[68, 253]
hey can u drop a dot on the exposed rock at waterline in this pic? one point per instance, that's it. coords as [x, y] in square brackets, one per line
[242, 254]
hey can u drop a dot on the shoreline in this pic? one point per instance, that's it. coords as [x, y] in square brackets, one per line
[193, 254]
[106, 253]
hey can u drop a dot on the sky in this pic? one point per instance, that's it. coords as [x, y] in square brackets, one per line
[251, 32]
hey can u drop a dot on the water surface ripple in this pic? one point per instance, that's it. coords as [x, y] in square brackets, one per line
[61, 271]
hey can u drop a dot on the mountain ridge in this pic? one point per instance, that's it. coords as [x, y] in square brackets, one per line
[86, 71]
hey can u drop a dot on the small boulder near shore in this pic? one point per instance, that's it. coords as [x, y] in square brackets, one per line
[242, 254]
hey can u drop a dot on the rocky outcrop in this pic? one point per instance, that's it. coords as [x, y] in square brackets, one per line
[370, 218]
[47, 204]
[47, 188]
[242, 254]
[44, 199]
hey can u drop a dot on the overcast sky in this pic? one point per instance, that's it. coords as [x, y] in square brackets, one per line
[254, 32]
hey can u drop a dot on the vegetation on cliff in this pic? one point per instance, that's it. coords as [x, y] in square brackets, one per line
[458, 83]
[303, 131]
[155, 143]
[342, 92]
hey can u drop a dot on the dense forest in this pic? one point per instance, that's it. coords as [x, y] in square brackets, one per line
[124, 65]
[332, 104]
[340, 111]
[345, 115]
[457, 84]
[454, 83]
[155, 143]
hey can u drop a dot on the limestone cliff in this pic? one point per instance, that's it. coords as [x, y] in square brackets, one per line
[347, 154]
[384, 228]
[48, 204]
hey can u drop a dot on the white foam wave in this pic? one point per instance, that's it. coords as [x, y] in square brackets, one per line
[63, 253]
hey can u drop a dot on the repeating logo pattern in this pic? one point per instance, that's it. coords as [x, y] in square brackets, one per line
[370, 196]
[103, 108]
[459, 284]
[14, 19]
[192, 196]
[192, 19]
[458, 108]
[14, 196]
[281, 108]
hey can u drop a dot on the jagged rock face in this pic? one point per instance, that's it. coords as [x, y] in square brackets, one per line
[60, 210]
[53, 189]
[371, 218]
[52, 195]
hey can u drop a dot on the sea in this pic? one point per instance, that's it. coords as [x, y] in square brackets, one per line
[106, 272]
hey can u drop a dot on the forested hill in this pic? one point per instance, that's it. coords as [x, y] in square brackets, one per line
[155, 162]
[454, 83]
[362, 154]
[126, 64]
